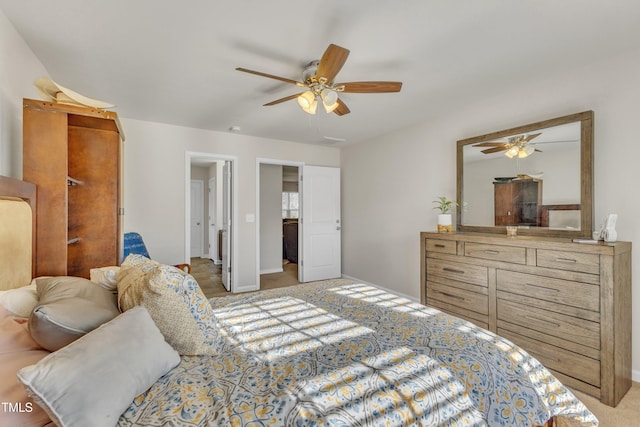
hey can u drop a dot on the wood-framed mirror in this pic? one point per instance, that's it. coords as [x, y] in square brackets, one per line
[538, 177]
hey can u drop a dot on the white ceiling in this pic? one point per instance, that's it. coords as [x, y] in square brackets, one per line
[174, 61]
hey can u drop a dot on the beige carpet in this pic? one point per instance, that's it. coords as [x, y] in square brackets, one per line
[208, 275]
[626, 414]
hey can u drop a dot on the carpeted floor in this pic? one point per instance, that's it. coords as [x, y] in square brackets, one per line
[209, 277]
[626, 414]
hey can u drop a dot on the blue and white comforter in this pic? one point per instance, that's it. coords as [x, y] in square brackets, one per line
[339, 353]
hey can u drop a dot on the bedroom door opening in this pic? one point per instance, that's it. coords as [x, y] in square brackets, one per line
[217, 259]
[277, 201]
[301, 226]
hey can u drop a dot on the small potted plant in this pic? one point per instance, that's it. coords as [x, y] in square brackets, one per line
[444, 218]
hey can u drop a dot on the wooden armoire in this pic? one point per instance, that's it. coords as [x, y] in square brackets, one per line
[518, 202]
[73, 154]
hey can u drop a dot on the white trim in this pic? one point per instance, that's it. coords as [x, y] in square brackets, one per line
[635, 376]
[188, 157]
[259, 161]
[400, 294]
[271, 270]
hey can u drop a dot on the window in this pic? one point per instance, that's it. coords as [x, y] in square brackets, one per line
[290, 205]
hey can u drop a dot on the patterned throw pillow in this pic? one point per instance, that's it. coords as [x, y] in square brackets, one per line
[175, 302]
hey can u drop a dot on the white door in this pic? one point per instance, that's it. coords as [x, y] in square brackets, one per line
[213, 235]
[226, 225]
[321, 224]
[197, 212]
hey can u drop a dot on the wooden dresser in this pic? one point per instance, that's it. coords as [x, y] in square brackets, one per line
[73, 155]
[568, 304]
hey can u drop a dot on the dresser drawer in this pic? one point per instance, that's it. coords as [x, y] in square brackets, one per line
[513, 254]
[569, 363]
[565, 327]
[459, 296]
[442, 246]
[575, 294]
[457, 271]
[572, 261]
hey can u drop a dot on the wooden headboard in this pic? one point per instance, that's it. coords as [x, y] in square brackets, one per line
[17, 238]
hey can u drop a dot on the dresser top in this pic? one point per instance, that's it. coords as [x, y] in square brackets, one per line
[539, 242]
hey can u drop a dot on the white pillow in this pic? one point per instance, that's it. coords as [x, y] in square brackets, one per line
[93, 380]
[107, 277]
[20, 301]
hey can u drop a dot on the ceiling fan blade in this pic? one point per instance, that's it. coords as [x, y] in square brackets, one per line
[285, 99]
[342, 108]
[271, 76]
[531, 136]
[331, 62]
[494, 150]
[489, 144]
[370, 87]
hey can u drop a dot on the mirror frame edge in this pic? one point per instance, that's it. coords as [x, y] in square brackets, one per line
[586, 119]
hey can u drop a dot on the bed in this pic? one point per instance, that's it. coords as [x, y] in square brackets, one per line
[326, 353]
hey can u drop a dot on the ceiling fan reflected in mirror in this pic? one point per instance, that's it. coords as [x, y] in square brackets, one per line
[515, 146]
[318, 81]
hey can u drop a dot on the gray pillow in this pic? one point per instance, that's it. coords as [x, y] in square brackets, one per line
[127, 355]
[68, 308]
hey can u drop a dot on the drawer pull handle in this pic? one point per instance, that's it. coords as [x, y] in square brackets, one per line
[451, 296]
[543, 320]
[542, 287]
[453, 270]
[573, 261]
[439, 245]
[491, 252]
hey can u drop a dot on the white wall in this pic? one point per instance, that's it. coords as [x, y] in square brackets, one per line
[389, 182]
[270, 218]
[19, 68]
[154, 188]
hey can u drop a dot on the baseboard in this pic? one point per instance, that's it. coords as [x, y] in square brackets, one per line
[635, 376]
[271, 270]
[217, 261]
[364, 282]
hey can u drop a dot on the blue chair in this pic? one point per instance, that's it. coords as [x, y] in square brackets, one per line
[133, 244]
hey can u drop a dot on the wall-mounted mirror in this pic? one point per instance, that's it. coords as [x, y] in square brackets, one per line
[538, 177]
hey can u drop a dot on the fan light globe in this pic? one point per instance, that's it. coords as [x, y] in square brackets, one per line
[512, 152]
[308, 103]
[329, 100]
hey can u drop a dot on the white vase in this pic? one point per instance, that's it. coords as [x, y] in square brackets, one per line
[444, 223]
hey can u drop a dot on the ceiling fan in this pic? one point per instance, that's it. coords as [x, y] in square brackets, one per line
[515, 146]
[318, 82]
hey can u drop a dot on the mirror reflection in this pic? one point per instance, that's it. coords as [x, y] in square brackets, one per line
[530, 177]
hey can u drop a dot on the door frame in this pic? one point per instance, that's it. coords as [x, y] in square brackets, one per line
[190, 157]
[213, 205]
[201, 191]
[300, 166]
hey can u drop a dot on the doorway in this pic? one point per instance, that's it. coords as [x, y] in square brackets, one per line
[313, 218]
[215, 262]
[279, 210]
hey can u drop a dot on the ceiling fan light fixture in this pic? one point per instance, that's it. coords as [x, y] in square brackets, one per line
[308, 102]
[329, 100]
[525, 151]
[512, 152]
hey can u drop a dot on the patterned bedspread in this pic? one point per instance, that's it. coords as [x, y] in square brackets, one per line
[340, 353]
